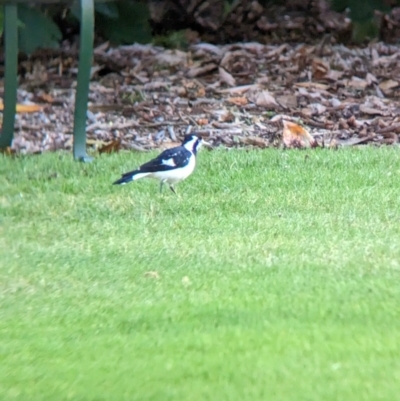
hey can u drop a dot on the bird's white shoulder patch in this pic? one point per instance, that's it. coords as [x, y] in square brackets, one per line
[168, 162]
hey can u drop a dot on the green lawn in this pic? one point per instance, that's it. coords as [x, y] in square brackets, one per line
[273, 275]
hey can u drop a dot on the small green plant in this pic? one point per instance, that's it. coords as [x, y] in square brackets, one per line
[365, 26]
[124, 21]
[132, 97]
[173, 40]
[37, 30]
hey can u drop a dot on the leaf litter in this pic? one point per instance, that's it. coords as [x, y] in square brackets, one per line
[144, 97]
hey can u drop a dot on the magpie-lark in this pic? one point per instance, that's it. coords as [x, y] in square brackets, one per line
[171, 166]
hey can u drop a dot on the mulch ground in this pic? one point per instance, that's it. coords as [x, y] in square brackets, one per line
[144, 97]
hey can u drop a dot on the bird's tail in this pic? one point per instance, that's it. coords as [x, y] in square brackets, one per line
[130, 176]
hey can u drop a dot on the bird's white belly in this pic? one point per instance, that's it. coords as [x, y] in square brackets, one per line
[178, 174]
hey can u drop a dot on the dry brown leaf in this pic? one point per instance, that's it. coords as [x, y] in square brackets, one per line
[371, 79]
[155, 85]
[390, 128]
[335, 102]
[224, 76]
[202, 121]
[171, 58]
[356, 141]
[204, 69]
[238, 100]
[226, 117]
[265, 99]
[240, 89]
[357, 83]
[276, 51]
[192, 88]
[95, 142]
[391, 140]
[388, 85]
[334, 75]
[279, 117]
[208, 47]
[371, 110]
[25, 108]
[227, 59]
[111, 147]
[317, 108]
[227, 126]
[140, 78]
[287, 101]
[352, 122]
[296, 136]
[343, 124]
[45, 97]
[254, 140]
[307, 112]
[201, 92]
[315, 85]
[384, 61]
[319, 68]
[28, 108]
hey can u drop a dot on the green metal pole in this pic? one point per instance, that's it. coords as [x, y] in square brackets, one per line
[10, 74]
[82, 91]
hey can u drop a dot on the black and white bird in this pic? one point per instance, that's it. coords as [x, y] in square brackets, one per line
[171, 166]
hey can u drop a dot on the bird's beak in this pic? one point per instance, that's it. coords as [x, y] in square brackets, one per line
[206, 144]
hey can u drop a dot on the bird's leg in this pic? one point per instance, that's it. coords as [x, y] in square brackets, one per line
[161, 185]
[172, 189]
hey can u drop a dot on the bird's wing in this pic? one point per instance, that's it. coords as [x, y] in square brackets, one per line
[168, 160]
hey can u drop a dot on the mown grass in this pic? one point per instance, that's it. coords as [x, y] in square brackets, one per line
[274, 275]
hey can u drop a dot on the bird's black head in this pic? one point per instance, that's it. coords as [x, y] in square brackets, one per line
[192, 142]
